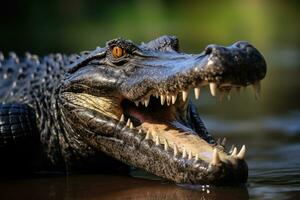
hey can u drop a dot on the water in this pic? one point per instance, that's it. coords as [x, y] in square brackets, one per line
[274, 174]
[270, 128]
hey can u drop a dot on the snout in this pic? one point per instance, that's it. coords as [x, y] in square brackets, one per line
[241, 63]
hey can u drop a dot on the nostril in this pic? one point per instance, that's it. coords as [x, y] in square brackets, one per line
[213, 49]
[242, 44]
[208, 50]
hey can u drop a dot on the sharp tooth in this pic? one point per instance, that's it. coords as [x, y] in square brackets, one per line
[162, 99]
[122, 118]
[174, 97]
[184, 153]
[184, 95]
[147, 135]
[147, 102]
[197, 92]
[136, 103]
[131, 125]
[140, 131]
[223, 143]
[190, 155]
[256, 87]
[175, 149]
[128, 122]
[216, 159]
[197, 157]
[168, 100]
[231, 149]
[241, 154]
[157, 140]
[213, 88]
[166, 145]
[234, 152]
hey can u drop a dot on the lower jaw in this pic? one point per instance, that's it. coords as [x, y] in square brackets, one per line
[179, 169]
[186, 142]
[144, 153]
[170, 133]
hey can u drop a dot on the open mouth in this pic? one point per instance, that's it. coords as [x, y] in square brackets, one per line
[169, 122]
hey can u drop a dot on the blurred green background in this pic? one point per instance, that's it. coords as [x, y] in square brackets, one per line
[74, 25]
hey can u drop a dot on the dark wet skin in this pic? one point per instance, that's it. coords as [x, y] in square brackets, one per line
[130, 102]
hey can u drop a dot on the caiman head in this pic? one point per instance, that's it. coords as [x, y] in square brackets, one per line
[131, 102]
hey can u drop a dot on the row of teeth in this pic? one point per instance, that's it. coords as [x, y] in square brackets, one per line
[171, 99]
[187, 154]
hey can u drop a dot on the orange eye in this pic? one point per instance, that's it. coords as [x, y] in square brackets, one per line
[118, 52]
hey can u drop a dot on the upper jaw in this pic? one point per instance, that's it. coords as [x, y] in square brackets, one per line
[237, 65]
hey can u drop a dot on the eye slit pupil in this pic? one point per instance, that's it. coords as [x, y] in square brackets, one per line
[118, 52]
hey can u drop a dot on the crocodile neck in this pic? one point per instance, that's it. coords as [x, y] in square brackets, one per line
[35, 81]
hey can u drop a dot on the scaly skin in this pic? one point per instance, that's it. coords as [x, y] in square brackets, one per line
[130, 102]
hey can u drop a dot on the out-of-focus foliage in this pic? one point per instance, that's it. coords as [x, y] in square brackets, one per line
[71, 25]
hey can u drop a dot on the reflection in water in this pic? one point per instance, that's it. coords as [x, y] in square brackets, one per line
[275, 173]
[112, 187]
[284, 124]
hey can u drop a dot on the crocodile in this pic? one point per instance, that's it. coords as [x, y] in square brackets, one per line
[123, 105]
